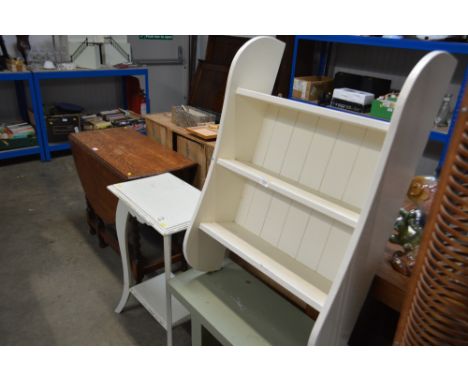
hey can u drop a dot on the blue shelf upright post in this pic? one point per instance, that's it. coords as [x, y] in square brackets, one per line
[40, 118]
[456, 112]
[293, 67]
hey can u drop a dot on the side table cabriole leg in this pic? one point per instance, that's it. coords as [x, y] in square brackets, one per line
[167, 271]
[136, 259]
[122, 216]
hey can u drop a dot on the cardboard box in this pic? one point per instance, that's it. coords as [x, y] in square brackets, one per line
[311, 88]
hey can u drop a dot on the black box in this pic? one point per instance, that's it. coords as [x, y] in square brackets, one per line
[59, 126]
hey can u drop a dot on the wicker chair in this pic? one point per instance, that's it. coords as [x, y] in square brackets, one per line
[435, 311]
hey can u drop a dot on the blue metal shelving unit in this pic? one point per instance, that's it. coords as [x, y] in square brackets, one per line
[38, 76]
[451, 47]
[20, 78]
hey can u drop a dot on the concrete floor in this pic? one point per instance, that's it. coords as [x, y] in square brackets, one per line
[57, 287]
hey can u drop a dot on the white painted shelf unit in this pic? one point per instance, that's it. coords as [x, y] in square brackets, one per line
[294, 188]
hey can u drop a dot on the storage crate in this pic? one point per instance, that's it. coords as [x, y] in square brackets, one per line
[188, 116]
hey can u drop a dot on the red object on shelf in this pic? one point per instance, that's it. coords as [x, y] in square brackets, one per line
[135, 96]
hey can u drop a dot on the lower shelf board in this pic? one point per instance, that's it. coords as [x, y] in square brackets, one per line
[152, 295]
[300, 280]
[238, 309]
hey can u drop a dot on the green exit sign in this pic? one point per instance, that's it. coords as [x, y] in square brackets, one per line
[155, 37]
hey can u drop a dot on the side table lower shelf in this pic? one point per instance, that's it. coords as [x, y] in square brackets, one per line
[152, 295]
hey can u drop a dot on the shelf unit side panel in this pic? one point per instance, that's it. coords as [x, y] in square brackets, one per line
[254, 66]
[220, 203]
[402, 148]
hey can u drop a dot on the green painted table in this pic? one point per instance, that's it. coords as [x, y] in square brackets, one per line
[238, 309]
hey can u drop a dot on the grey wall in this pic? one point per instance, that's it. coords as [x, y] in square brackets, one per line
[93, 94]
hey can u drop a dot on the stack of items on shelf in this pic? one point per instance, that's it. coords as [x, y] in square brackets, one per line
[64, 118]
[15, 135]
[114, 118]
[349, 92]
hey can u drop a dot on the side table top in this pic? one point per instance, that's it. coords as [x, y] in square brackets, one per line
[130, 154]
[164, 202]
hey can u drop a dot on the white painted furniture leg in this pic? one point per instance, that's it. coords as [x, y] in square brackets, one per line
[167, 271]
[121, 216]
[196, 330]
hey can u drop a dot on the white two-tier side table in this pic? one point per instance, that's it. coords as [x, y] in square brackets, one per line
[167, 204]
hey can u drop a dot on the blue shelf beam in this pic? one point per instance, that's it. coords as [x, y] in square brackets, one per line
[15, 76]
[99, 73]
[404, 43]
[438, 136]
[59, 146]
[20, 152]
[60, 74]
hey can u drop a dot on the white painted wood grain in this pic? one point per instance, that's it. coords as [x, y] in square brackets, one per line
[275, 219]
[314, 240]
[308, 285]
[265, 135]
[244, 204]
[342, 160]
[334, 250]
[298, 146]
[319, 111]
[258, 209]
[319, 153]
[363, 171]
[309, 199]
[293, 229]
[285, 122]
